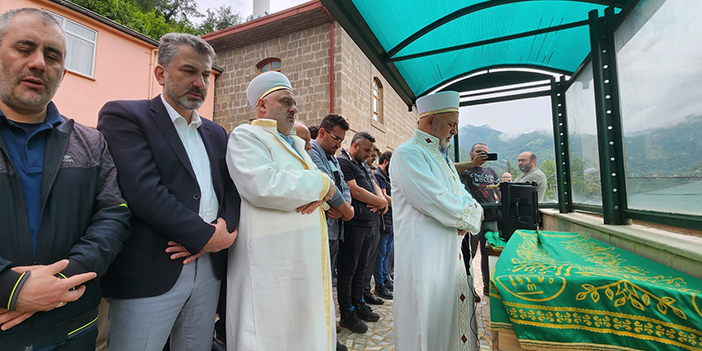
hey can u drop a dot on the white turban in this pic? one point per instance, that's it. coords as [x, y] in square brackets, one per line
[445, 101]
[265, 84]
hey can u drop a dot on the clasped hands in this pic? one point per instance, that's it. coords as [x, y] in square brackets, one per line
[43, 291]
[220, 240]
[310, 207]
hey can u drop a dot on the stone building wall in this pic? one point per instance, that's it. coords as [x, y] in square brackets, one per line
[355, 98]
[304, 57]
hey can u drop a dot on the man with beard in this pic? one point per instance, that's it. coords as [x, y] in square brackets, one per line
[355, 248]
[185, 207]
[531, 173]
[279, 279]
[330, 135]
[62, 216]
[434, 308]
[481, 182]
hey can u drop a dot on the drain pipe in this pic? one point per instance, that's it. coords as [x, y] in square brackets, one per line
[331, 61]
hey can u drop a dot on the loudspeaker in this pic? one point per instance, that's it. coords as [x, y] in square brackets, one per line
[519, 208]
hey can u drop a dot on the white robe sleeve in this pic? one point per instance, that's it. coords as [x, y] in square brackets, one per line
[262, 182]
[413, 176]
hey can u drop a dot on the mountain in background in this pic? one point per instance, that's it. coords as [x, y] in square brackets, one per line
[673, 151]
[670, 151]
[538, 142]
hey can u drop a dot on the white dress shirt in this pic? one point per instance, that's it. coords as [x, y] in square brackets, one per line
[195, 148]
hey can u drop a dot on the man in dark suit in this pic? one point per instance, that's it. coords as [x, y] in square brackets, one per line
[171, 166]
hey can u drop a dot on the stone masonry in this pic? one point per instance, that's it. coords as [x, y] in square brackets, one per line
[304, 56]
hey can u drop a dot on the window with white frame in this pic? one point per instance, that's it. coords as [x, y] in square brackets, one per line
[80, 46]
[269, 64]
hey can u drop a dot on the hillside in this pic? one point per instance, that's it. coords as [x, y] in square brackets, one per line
[673, 151]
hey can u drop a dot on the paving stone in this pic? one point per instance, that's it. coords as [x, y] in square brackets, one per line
[381, 334]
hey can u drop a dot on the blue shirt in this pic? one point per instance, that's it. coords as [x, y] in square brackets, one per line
[25, 144]
[289, 141]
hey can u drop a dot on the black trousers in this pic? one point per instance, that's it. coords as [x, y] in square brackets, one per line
[352, 263]
[220, 326]
[333, 253]
[372, 256]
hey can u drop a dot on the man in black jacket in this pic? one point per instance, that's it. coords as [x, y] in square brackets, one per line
[367, 201]
[62, 216]
[172, 170]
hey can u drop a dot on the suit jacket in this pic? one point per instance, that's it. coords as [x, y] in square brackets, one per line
[159, 184]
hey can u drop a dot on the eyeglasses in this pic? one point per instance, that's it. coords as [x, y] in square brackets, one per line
[339, 139]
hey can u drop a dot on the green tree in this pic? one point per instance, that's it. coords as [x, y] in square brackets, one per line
[154, 18]
[129, 14]
[172, 10]
[585, 182]
[549, 169]
[218, 19]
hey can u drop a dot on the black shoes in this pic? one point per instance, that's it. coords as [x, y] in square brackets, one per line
[350, 321]
[388, 284]
[340, 346]
[383, 292]
[373, 300]
[366, 313]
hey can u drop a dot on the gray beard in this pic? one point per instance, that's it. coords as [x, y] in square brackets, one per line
[188, 104]
[443, 144]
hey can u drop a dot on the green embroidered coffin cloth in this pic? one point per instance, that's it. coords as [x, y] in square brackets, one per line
[566, 291]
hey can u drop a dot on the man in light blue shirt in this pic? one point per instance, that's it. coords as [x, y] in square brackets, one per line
[332, 132]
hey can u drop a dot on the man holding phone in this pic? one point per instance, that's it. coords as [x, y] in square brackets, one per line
[480, 182]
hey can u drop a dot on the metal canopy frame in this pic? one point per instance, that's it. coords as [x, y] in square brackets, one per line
[348, 15]
[478, 7]
[610, 140]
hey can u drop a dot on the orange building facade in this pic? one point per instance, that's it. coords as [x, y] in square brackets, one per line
[105, 61]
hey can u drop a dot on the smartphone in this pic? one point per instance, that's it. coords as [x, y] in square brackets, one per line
[492, 156]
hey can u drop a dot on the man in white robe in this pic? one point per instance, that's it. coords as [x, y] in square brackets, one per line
[279, 294]
[434, 306]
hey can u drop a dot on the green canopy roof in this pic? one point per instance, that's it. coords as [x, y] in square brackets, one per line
[419, 45]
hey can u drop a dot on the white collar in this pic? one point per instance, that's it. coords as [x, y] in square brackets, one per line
[174, 115]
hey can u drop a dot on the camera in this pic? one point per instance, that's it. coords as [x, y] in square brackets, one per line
[492, 156]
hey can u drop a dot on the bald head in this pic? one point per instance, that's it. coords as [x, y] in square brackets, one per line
[304, 133]
[526, 161]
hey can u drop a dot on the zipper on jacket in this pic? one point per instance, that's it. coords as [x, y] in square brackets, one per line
[45, 199]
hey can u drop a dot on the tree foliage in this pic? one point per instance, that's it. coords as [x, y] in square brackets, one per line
[172, 10]
[549, 169]
[219, 18]
[154, 18]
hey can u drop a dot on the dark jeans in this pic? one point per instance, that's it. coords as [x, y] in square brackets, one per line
[470, 249]
[391, 261]
[353, 260]
[372, 256]
[84, 342]
[381, 264]
[333, 254]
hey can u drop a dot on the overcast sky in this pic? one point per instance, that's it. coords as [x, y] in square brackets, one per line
[245, 7]
[661, 75]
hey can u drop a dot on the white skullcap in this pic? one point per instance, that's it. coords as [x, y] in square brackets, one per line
[445, 101]
[265, 84]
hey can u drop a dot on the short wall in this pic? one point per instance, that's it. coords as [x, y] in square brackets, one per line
[675, 250]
